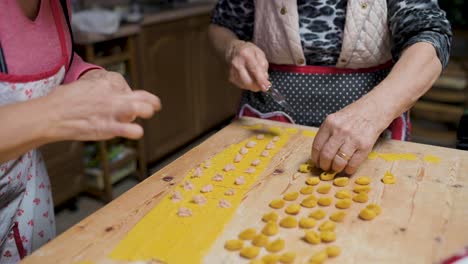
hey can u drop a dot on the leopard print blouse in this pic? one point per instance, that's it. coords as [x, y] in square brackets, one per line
[321, 26]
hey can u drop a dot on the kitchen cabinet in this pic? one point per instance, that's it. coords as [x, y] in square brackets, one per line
[166, 73]
[219, 99]
[64, 161]
[179, 65]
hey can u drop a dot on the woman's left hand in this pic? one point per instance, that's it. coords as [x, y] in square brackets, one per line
[346, 137]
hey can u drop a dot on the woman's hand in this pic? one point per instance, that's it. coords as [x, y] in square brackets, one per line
[346, 137]
[98, 106]
[248, 66]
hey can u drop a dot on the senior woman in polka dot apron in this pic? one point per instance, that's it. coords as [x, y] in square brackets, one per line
[352, 67]
[42, 101]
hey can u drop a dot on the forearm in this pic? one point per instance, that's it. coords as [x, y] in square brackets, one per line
[222, 40]
[99, 106]
[30, 125]
[412, 76]
[26, 126]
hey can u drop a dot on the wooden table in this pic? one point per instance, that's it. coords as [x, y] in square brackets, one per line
[424, 218]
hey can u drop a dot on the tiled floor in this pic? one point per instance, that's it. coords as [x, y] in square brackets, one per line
[66, 218]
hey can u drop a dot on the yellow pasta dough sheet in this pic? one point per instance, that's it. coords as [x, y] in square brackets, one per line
[402, 156]
[392, 156]
[163, 235]
[431, 159]
[309, 133]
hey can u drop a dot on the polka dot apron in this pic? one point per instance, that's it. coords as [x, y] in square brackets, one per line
[26, 206]
[315, 92]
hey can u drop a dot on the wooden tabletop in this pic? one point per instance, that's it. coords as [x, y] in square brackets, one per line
[424, 215]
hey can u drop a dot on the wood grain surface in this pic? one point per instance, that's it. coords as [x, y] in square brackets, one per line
[424, 215]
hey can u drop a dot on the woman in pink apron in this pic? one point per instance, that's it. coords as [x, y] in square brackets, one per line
[352, 67]
[35, 109]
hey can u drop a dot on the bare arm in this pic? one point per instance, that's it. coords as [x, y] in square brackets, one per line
[222, 40]
[355, 129]
[411, 77]
[421, 37]
[98, 106]
[24, 127]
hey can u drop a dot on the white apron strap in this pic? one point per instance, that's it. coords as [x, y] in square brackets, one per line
[276, 31]
[366, 37]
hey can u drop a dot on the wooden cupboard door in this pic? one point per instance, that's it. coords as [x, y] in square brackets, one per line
[219, 99]
[166, 73]
[64, 162]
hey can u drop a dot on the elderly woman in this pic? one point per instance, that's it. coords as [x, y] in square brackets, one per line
[354, 68]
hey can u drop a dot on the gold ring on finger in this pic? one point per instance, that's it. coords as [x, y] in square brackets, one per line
[343, 156]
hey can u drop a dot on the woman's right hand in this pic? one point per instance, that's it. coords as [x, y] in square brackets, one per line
[248, 66]
[98, 106]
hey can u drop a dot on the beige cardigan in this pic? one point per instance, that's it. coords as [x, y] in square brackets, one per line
[366, 37]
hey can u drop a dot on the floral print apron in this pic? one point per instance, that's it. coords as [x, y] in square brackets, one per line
[317, 91]
[26, 206]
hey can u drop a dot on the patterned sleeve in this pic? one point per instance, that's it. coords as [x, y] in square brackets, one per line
[236, 15]
[413, 21]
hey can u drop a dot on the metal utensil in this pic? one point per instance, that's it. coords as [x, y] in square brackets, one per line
[279, 98]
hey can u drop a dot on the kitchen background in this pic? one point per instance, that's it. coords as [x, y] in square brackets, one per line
[162, 46]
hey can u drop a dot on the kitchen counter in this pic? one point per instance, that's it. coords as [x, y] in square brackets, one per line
[423, 219]
[161, 15]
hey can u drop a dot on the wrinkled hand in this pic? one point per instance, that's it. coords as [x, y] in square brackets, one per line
[346, 137]
[101, 105]
[248, 66]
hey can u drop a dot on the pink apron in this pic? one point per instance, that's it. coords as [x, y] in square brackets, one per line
[26, 206]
